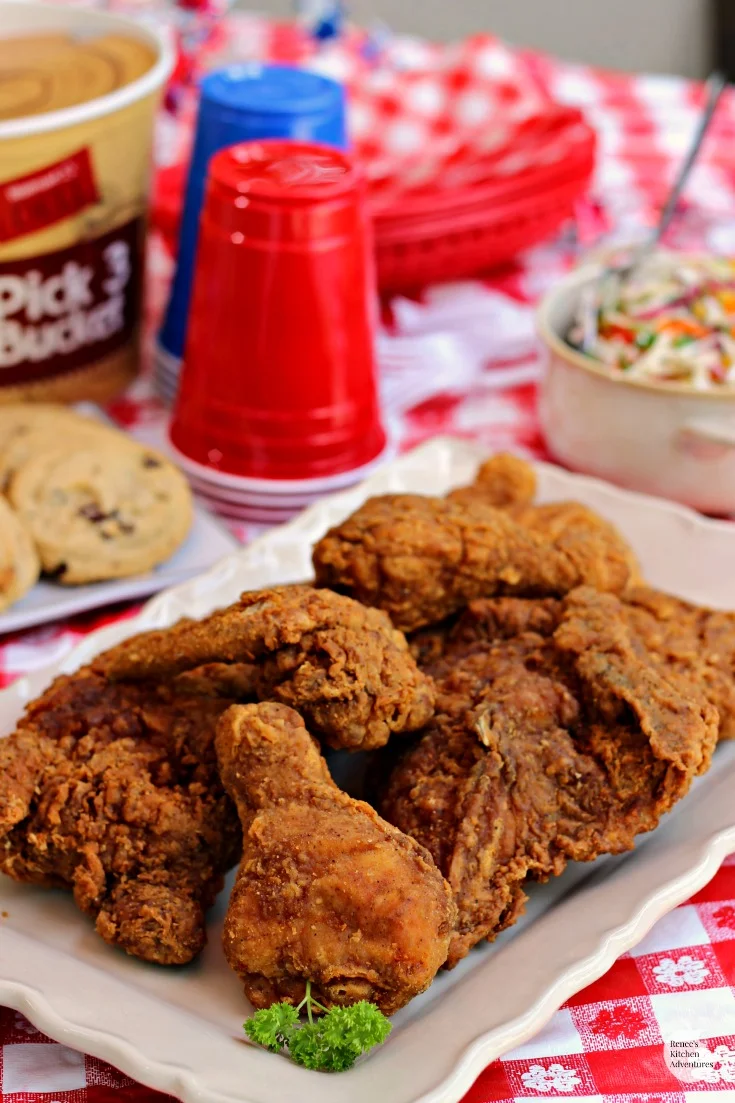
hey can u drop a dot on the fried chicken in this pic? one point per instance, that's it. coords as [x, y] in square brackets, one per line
[422, 559]
[597, 549]
[695, 644]
[546, 746]
[112, 791]
[487, 619]
[503, 481]
[342, 665]
[600, 555]
[327, 892]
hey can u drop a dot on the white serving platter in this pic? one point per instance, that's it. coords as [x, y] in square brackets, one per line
[179, 1030]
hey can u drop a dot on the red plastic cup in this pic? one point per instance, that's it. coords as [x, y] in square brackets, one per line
[279, 375]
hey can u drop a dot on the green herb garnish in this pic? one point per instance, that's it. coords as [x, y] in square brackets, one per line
[683, 339]
[645, 339]
[331, 1043]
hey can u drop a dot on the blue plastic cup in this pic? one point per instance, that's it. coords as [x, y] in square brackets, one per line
[238, 104]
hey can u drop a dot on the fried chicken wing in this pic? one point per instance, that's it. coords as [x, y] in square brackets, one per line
[601, 557]
[422, 559]
[112, 791]
[327, 892]
[504, 481]
[546, 746]
[342, 665]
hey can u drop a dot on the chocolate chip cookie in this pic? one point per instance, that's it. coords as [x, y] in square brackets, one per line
[108, 511]
[27, 429]
[19, 562]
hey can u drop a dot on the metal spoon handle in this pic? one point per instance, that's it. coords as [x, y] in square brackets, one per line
[715, 87]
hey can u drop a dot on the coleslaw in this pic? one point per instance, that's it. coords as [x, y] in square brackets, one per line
[672, 320]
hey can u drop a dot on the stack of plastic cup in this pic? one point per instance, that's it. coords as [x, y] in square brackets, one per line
[278, 402]
[240, 103]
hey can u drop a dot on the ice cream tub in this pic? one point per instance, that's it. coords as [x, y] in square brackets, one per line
[78, 94]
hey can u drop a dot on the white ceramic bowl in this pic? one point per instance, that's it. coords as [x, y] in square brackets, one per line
[663, 439]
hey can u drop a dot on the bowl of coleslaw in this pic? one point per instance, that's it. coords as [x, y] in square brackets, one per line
[639, 386]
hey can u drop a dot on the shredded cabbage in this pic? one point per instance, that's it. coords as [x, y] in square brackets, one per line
[672, 320]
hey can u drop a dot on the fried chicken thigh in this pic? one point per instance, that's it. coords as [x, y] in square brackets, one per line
[696, 645]
[342, 665]
[547, 746]
[693, 646]
[422, 559]
[112, 791]
[327, 892]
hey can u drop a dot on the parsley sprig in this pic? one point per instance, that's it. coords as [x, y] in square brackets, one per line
[331, 1043]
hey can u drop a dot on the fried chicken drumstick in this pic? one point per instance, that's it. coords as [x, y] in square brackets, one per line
[112, 791]
[422, 559]
[547, 745]
[109, 785]
[342, 665]
[326, 891]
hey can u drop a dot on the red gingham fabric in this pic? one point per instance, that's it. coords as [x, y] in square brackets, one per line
[609, 1043]
[418, 113]
[413, 96]
[438, 99]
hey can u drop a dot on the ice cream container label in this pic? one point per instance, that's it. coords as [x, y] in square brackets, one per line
[39, 199]
[60, 309]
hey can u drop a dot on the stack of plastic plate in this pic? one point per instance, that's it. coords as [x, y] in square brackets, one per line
[267, 501]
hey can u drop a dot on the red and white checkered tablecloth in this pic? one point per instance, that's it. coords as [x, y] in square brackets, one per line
[609, 1043]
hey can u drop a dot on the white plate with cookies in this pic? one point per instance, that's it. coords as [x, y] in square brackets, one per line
[90, 517]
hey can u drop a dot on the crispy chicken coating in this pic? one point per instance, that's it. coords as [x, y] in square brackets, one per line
[602, 557]
[326, 891]
[599, 553]
[112, 791]
[342, 665]
[695, 644]
[504, 481]
[544, 748]
[422, 559]
[487, 619]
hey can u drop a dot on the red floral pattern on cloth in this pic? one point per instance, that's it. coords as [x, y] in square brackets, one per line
[607, 1044]
[725, 917]
[616, 1023]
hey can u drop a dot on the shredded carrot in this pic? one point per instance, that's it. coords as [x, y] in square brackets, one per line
[727, 298]
[680, 327]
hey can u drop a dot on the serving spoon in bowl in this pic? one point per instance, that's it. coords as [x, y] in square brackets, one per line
[716, 85]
